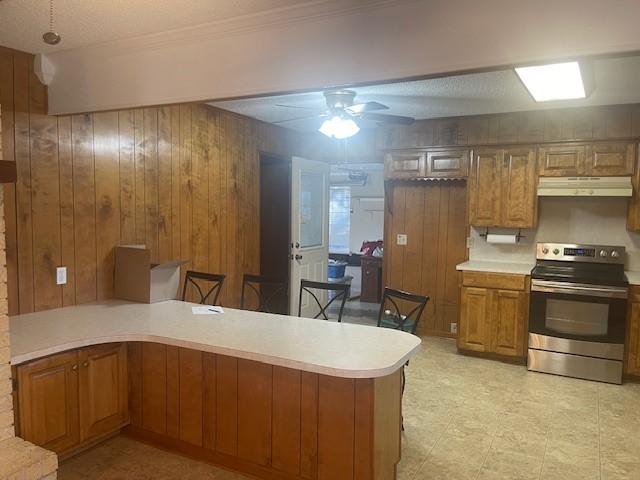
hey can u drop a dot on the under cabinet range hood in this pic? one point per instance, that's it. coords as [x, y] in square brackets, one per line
[585, 187]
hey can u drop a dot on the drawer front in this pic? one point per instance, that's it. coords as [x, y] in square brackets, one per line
[504, 281]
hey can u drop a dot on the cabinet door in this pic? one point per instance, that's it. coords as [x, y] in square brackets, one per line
[519, 184]
[508, 320]
[405, 164]
[48, 402]
[633, 335]
[561, 160]
[103, 389]
[371, 288]
[633, 212]
[610, 159]
[484, 188]
[447, 163]
[474, 328]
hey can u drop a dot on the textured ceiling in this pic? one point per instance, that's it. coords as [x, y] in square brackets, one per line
[87, 22]
[616, 82]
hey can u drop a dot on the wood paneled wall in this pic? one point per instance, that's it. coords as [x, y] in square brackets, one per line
[433, 215]
[182, 179]
[558, 125]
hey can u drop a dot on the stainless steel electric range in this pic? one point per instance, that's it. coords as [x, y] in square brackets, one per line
[578, 310]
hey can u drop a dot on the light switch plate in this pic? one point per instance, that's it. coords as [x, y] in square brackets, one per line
[454, 327]
[61, 275]
[401, 239]
[469, 242]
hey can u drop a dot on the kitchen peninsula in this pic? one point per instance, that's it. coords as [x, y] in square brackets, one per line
[269, 395]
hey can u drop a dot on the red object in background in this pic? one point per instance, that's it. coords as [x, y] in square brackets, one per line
[368, 248]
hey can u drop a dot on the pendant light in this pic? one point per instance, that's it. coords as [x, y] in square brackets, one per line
[51, 37]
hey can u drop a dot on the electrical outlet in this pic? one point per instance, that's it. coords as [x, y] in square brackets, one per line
[61, 275]
[469, 242]
[454, 327]
[401, 239]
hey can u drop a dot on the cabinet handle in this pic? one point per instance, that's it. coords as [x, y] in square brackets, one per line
[85, 364]
[74, 367]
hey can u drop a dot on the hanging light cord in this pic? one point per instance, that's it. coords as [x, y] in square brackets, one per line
[51, 16]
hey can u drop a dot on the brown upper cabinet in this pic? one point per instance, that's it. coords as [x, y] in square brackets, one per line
[633, 213]
[502, 188]
[561, 160]
[403, 165]
[593, 159]
[429, 163]
[447, 163]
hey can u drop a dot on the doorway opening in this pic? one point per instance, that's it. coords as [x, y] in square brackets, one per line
[275, 224]
[356, 230]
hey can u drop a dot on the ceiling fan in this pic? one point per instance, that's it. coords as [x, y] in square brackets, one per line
[342, 114]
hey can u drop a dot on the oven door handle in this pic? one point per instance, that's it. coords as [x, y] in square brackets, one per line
[566, 288]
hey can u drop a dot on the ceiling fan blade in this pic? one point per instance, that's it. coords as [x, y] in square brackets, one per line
[296, 118]
[366, 107]
[299, 107]
[383, 117]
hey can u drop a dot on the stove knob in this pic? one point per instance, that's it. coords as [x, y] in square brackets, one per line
[545, 250]
[615, 254]
[603, 253]
[556, 251]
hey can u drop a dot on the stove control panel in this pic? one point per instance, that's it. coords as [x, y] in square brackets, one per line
[580, 253]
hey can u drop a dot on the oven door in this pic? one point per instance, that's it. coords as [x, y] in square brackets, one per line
[590, 313]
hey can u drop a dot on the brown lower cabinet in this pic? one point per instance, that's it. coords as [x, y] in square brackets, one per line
[69, 399]
[633, 333]
[493, 314]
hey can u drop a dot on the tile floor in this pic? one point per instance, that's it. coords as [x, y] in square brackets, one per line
[465, 418]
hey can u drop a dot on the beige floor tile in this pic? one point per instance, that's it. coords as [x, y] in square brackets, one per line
[469, 448]
[552, 470]
[576, 451]
[447, 470]
[500, 465]
[520, 441]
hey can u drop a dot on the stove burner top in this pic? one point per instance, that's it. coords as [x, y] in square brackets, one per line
[588, 264]
[577, 272]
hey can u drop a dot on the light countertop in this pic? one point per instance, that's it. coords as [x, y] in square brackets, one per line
[633, 277]
[330, 348]
[496, 267]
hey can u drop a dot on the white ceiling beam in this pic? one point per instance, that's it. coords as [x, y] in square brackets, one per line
[331, 44]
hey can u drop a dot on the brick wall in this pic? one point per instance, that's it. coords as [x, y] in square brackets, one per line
[19, 460]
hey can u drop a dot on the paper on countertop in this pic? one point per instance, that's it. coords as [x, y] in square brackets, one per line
[207, 310]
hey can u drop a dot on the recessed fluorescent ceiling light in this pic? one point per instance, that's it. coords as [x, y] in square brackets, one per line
[558, 81]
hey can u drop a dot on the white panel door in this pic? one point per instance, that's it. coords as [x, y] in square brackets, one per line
[309, 228]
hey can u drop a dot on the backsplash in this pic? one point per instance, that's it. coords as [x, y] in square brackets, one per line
[566, 220]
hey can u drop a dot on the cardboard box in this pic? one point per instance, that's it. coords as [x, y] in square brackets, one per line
[139, 280]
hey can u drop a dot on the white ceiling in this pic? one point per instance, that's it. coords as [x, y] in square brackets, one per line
[616, 82]
[88, 22]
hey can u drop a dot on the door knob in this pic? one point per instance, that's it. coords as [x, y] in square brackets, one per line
[85, 364]
[298, 256]
[74, 367]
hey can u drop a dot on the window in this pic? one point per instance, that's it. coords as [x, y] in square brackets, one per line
[339, 219]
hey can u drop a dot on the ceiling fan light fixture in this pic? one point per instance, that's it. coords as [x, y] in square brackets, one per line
[339, 128]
